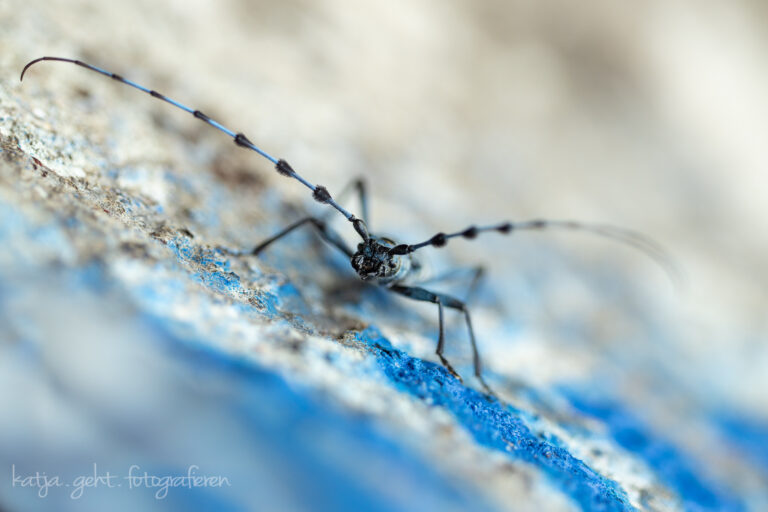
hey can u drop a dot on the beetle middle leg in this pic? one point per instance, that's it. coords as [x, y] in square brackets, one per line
[443, 300]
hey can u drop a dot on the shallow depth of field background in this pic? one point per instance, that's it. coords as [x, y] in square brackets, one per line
[650, 115]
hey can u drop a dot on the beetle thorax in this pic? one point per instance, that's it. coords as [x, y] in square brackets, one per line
[372, 261]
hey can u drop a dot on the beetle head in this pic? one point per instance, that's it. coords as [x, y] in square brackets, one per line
[373, 261]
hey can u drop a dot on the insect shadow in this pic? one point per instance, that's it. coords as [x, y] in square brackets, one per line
[383, 261]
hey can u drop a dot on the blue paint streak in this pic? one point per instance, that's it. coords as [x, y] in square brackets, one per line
[188, 252]
[324, 451]
[221, 282]
[495, 426]
[211, 267]
[748, 436]
[491, 424]
[671, 465]
[325, 457]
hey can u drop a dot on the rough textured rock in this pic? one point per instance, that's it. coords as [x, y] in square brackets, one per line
[132, 338]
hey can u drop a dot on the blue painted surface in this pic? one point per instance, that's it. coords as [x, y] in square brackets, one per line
[495, 425]
[323, 451]
[323, 457]
[673, 467]
[212, 269]
[748, 436]
[503, 428]
[327, 458]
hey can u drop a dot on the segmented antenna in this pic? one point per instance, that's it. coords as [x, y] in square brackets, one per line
[319, 192]
[636, 240]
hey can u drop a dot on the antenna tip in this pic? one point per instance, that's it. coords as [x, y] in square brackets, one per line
[62, 59]
[29, 64]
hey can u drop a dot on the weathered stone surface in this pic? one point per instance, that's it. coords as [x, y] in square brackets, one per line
[131, 337]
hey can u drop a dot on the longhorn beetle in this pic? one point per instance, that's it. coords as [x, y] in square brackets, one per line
[383, 261]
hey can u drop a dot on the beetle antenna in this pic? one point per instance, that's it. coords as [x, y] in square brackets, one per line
[636, 240]
[319, 192]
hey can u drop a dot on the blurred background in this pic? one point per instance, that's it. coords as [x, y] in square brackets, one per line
[651, 116]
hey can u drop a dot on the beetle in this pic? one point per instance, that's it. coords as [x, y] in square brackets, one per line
[380, 260]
